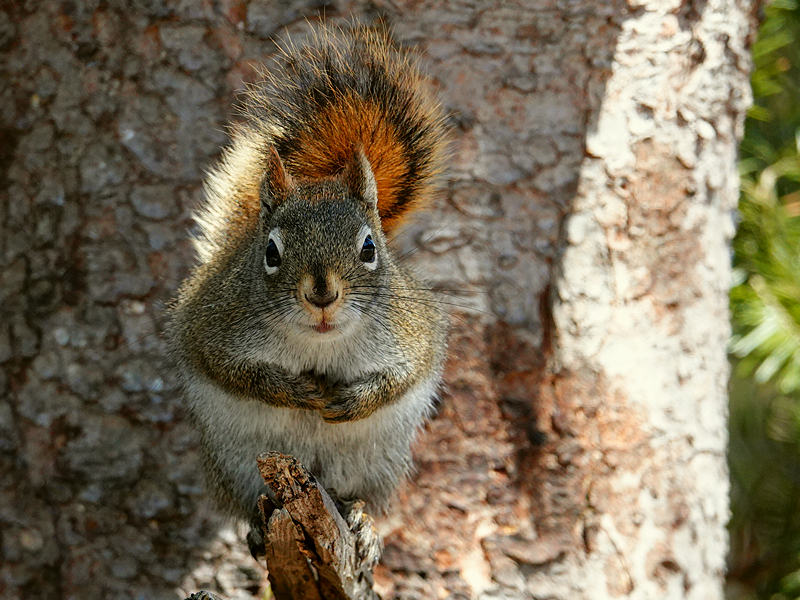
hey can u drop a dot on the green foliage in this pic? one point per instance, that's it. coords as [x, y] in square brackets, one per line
[766, 312]
[774, 119]
[765, 475]
[764, 452]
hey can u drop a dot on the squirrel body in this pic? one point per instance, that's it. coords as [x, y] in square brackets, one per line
[298, 331]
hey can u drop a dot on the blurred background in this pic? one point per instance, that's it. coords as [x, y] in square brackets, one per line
[764, 451]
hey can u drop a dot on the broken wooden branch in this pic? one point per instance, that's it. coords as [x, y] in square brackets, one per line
[312, 552]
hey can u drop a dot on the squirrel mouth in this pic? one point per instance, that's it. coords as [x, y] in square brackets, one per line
[323, 327]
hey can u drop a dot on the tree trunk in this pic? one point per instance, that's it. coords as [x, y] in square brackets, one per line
[582, 241]
[586, 457]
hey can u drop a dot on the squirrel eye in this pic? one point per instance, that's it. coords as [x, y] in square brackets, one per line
[272, 257]
[367, 254]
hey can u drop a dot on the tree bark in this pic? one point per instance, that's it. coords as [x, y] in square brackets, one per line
[610, 372]
[581, 242]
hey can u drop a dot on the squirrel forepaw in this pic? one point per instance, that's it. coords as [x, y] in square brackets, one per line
[369, 543]
[345, 407]
[311, 395]
[338, 414]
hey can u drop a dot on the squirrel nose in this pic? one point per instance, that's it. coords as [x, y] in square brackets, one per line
[323, 301]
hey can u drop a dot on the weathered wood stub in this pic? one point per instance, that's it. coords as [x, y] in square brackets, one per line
[311, 552]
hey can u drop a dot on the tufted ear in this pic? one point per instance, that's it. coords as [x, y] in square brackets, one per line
[277, 183]
[358, 178]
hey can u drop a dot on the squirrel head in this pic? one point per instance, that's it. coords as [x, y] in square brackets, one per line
[324, 261]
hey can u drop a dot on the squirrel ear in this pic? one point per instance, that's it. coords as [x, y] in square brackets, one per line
[358, 177]
[277, 182]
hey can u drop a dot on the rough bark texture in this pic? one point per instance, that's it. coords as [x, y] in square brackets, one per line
[579, 450]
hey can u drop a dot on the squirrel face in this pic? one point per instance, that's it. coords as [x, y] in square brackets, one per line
[323, 253]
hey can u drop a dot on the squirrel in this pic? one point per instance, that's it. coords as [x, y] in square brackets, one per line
[299, 331]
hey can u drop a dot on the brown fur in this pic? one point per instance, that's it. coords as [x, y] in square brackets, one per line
[321, 102]
[328, 146]
[340, 140]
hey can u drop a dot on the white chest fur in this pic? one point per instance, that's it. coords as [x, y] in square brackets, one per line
[363, 459]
